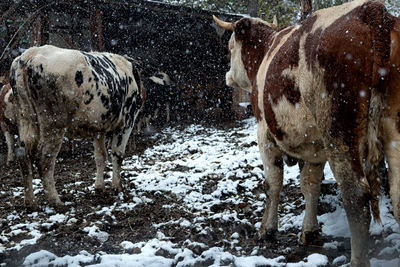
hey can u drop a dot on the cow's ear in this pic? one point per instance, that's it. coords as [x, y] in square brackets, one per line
[243, 29]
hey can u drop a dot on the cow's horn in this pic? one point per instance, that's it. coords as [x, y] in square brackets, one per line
[223, 24]
[275, 22]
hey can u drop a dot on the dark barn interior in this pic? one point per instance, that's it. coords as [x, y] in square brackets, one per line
[183, 42]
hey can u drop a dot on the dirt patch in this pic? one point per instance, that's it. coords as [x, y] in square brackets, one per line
[155, 212]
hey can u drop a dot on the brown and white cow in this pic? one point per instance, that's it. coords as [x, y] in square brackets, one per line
[7, 119]
[61, 91]
[318, 91]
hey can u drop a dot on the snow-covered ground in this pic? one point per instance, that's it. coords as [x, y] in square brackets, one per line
[180, 166]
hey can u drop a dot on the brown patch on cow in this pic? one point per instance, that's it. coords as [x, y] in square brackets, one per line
[308, 24]
[253, 52]
[312, 54]
[254, 102]
[273, 43]
[254, 47]
[306, 28]
[278, 84]
[381, 23]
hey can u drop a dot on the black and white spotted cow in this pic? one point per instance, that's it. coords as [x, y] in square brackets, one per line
[160, 95]
[60, 91]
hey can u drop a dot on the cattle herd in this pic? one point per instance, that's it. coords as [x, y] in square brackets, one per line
[327, 90]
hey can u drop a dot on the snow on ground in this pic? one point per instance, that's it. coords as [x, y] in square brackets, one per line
[194, 156]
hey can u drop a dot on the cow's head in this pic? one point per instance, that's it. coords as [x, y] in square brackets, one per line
[247, 47]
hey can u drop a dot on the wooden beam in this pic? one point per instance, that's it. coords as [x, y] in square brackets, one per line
[99, 22]
[306, 8]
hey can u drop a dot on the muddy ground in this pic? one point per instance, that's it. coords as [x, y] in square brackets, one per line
[76, 163]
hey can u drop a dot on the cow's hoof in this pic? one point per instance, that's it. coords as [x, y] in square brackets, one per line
[30, 205]
[364, 263]
[117, 189]
[311, 238]
[56, 203]
[268, 236]
[99, 190]
[61, 209]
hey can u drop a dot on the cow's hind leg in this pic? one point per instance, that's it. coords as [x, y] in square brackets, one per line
[273, 170]
[100, 155]
[355, 195]
[26, 167]
[24, 155]
[392, 152]
[311, 176]
[48, 148]
[119, 141]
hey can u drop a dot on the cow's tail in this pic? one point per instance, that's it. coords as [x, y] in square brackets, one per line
[27, 123]
[380, 22]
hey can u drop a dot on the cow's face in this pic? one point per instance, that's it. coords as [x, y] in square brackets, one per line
[237, 77]
[246, 48]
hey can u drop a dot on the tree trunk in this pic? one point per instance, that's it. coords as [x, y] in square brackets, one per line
[252, 8]
[306, 8]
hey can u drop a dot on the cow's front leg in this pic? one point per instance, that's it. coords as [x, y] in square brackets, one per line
[311, 176]
[119, 141]
[273, 170]
[100, 155]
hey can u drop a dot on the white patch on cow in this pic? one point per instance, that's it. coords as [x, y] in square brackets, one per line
[165, 80]
[327, 17]
[237, 77]
[302, 140]
[264, 69]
